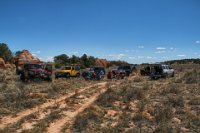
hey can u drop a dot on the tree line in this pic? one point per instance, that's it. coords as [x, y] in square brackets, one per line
[84, 61]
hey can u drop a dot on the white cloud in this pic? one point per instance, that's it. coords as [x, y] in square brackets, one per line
[181, 55]
[117, 56]
[198, 42]
[76, 52]
[34, 55]
[160, 52]
[140, 46]
[149, 57]
[161, 48]
[171, 48]
[49, 59]
[135, 51]
[132, 58]
[140, 57]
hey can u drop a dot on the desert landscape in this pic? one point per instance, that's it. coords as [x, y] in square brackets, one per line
[99, 66]
[134, 104]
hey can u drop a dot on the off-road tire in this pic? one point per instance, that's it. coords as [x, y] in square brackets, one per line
[67, 75]
[78, 75]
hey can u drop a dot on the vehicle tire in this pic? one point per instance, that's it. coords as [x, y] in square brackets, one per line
[17, 71]
[67, 75]
[173, 74]
[22, 77]
[78, 75]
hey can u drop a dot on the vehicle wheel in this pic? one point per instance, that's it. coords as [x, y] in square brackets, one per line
[67, 75]
[22, 77]
[78, 75]
[173, 74]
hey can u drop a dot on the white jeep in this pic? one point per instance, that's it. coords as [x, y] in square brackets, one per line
[161, 70]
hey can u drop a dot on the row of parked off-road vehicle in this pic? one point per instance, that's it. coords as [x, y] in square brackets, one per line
[39, 71]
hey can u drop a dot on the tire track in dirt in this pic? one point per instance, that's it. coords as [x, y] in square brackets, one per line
[9, 120]
[71, 103]
[56, 126]
[69, 116]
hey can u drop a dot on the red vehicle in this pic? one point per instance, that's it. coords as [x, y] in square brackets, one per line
[35, 71]
[116, 74]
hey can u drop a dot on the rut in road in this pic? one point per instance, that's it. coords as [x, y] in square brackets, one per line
[71, 103]
[69, 115]
[68, 118]
[9, 120]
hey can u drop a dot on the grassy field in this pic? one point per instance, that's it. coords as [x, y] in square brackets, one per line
[136, 104]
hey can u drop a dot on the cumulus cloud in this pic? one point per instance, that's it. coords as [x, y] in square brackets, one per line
[161, 48]
[132, 58]
[34, 55]
[181, 55]
[149, 57]
[140, 46]
[135, 51]
[49, 59]
[117, 56]
[76, 52]
[198, 42]
[160, 52]
[140, 57]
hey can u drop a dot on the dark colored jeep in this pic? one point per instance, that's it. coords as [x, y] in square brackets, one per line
[116, 74]
[99, 69]
[126, 68]
[95, 73]
[35, 71]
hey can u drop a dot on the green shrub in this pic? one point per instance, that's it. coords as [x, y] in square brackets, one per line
[192, 77]
[176, 101]
[195, 101]
[163, 114]
[82, 120]
[132, 93]
[107, 98]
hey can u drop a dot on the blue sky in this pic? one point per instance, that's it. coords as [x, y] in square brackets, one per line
[136, 31]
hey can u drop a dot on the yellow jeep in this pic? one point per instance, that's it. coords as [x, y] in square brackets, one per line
[68, 71]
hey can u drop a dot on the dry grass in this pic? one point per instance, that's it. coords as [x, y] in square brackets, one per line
[135, 105]
[16, 96]
[141, 105]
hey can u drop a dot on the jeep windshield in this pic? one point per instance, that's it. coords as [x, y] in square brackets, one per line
[35, 66]
[127, 67]
[67, 68]
[124, 67]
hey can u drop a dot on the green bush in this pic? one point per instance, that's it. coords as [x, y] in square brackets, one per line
[163, 114]
[176, 101]
[132, 93]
